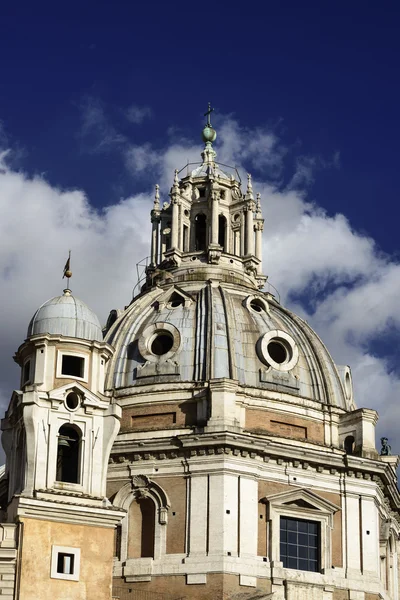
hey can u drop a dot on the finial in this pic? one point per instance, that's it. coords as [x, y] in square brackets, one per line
[67, 272]
[175, 186]
[258, 205]
[249, 191]
[157, 198]
[208, 115]
[209, 134]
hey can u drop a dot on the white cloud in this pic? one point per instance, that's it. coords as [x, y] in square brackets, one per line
[97, 132]
[137, 114]
[351, 285]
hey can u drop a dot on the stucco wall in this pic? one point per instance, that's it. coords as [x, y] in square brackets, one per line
[96, 546]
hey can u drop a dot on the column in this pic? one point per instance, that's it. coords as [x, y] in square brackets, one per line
[198, 515]
[259, 231]
[248, 525]
[370, 535]
[214, 218]
[223, 515]
[352, 537]
[154, 241]
[250, 229]
[175, 224]
[242, 249]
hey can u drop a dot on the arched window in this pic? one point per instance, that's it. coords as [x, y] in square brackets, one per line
[222, 232]
[349, 444]
[200, 225]
[143, 530]
[68, 454]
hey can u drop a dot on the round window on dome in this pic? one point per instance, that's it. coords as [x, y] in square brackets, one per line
[159, 342]
[257, 305]
[162, 343]
[278, 350]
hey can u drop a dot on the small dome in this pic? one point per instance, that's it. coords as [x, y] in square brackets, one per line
[68, 316]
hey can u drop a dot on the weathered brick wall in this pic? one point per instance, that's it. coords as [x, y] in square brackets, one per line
[161, 416]
[258, 420]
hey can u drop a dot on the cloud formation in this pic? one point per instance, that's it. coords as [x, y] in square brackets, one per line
[326, 271]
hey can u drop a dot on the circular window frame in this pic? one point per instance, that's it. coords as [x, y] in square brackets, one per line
[79, 397]
[149, 335]
[262, 303]
[348, 385]
[283, 338]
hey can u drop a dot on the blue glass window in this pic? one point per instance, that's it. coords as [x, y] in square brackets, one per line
[300, 544]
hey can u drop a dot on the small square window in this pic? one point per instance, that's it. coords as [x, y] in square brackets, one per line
[73, 365]
[65, 563]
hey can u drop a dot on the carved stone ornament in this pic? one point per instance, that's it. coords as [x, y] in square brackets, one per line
[214, 254]
[140, 481]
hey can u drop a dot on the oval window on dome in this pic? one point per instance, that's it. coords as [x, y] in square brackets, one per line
[278, 350]
[257, 305]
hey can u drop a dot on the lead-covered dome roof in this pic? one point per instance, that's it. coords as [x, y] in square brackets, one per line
[199, 331]
[68, 316]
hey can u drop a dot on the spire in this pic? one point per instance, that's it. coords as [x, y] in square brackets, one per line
[249, 191]
[157, 198]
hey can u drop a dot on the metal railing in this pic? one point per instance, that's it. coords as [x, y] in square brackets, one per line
[129, 593]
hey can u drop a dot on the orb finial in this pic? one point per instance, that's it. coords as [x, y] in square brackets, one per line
[209, 134]
[67, 270]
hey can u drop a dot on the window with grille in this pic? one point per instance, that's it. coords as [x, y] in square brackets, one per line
[300, 544]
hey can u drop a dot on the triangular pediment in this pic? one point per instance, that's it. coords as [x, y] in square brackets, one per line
[174, 297]
[88, 397]
[301, 498]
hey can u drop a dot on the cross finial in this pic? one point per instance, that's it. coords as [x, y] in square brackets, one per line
[208, 114]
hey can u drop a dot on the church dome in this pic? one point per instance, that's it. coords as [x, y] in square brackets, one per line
[208, 330]
[68, 316]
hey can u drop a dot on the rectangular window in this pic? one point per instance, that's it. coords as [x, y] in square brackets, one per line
[72, 365]
[65, 563]
[117, 542]
[300, 544]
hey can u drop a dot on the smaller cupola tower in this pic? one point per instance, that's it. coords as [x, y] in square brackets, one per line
[208, 219]
[57, 433]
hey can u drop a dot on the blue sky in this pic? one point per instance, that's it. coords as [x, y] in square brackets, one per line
[99, 101]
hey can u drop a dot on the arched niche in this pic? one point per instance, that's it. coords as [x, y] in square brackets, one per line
[143, 530]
